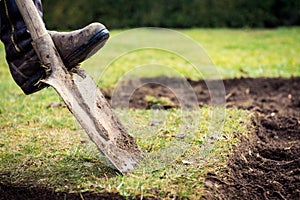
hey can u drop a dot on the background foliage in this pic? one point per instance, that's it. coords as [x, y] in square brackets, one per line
[70, 14]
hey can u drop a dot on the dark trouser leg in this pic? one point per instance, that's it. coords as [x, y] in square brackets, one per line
[25, 67]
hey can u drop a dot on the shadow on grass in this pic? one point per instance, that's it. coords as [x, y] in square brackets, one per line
[15, 192]
[30, 190]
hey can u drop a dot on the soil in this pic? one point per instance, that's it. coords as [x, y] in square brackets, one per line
[26, 192]
[265, 164]
[263, 95]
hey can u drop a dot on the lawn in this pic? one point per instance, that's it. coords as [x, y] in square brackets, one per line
[41, 144]
[233, 52]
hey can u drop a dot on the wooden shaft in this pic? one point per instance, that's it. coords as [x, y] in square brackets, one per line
[32, 19]
[42, 41]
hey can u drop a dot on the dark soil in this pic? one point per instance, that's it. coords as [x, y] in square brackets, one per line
[263, 95]
[25, 192]
[266, 163]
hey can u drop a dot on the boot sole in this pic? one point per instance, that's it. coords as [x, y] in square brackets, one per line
[87, 50]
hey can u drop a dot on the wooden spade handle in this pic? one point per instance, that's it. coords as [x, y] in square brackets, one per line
[82, 97]
[32, 19]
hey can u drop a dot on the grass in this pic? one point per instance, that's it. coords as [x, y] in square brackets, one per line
[63, 158]
[161, 101]
[252, 53]
[43, 145]
[231, 53]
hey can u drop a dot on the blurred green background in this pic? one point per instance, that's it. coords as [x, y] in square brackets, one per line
[116, 14]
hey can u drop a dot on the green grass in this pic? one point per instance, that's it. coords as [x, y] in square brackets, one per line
[43, 152]
[233, 52]
[42, 145]
[252, 53]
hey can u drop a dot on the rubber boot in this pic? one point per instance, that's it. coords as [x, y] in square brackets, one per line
[25, 66]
